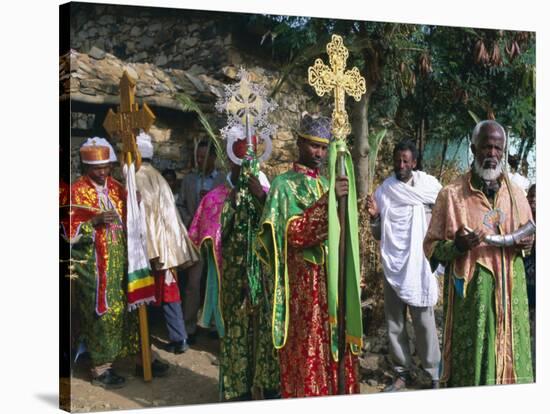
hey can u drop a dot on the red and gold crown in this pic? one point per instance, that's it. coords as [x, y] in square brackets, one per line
[94, 154]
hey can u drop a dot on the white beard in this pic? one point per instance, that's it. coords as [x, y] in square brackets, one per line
[488, 174]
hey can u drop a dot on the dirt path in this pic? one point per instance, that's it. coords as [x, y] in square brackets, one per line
[193, 377]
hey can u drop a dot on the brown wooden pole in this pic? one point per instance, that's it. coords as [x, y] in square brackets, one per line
[145, 346]
[143, 325]
[342, 216]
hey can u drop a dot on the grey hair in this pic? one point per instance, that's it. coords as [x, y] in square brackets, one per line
[486, 123]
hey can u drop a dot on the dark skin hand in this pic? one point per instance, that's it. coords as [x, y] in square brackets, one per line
[372, 208]
[155, 264]
[341, 187]
[466, 239]
[106, 217]
[256, 188]
[525, 244]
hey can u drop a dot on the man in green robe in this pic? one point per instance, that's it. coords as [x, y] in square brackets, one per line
[486, 336]
[248, 362]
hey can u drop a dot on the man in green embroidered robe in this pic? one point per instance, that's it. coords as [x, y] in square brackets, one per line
[248, 362]
[486, 336]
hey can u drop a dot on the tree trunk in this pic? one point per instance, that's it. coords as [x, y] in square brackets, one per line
[421, 143]
[443, 155]
[523, 167]
[360, 151]
[521, 146]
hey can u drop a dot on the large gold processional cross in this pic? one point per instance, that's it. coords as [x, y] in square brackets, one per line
[125, 124]
[325, 79]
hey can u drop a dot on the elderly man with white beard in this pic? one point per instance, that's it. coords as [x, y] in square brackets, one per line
[486, 335]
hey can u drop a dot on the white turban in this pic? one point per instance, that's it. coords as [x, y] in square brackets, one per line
[145, 145]
[236, 132]
[102, 142]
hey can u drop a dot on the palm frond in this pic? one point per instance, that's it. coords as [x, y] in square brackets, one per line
[188, 104]
[474, 117]
[374, 145]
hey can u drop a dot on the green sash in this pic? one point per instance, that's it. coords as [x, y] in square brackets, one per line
[354, 326]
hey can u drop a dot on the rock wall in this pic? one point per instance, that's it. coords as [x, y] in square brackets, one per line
[197, 52]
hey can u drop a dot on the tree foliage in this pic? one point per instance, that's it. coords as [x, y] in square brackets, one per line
[422, 79]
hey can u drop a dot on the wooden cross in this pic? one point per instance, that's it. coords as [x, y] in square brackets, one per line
[125, 124]
[129, 119]
[325, 79]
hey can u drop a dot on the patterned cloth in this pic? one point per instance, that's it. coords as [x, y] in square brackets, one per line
[99, 254]
[205, 232]
[291, 243]
[486, 338]
[167, 238]
[247, 356]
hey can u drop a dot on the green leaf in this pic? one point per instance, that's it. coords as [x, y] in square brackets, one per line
[374, 145]
[188, 104]
[474, 117]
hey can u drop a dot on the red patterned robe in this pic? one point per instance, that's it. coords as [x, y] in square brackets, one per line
[307, 367]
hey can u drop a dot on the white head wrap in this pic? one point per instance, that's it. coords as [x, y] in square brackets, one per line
[145, 145]
[102, 142]
[235, 132]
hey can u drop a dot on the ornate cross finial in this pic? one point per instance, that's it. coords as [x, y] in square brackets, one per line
[247, 107]
[324, 79]
[129, 119]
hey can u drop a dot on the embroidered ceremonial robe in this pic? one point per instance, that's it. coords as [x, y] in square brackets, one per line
[99, 255]
[247, 357]
[167, 238]
[291, 243]
[486, 335]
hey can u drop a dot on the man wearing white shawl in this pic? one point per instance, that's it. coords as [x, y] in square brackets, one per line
[400, 211]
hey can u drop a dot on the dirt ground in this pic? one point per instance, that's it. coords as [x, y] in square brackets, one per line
[193, 376]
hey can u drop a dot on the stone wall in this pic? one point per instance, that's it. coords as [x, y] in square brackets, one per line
[197, 52]
[165, 37]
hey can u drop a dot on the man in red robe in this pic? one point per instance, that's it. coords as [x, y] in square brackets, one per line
[291, 242]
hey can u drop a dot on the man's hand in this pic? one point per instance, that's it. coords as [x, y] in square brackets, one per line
[466, 239]
[372, 208]
[525, 244]
[256, 188]
[106, 217]
[341, 187]
[155, 263]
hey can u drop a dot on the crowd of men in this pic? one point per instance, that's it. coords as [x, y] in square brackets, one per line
[246, 259]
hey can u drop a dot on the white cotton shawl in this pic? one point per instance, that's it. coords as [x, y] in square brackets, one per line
[404, 225]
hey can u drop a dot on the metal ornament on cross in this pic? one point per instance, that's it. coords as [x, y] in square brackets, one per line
[325, 79]
[247, 107]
